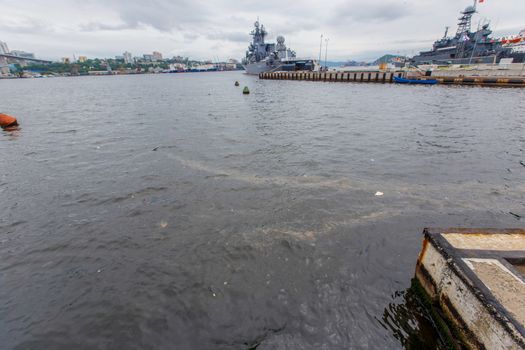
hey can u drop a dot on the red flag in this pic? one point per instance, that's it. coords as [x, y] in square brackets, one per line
[480, 1]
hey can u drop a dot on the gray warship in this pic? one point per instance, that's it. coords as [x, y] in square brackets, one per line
[467, 47]
[264, 57]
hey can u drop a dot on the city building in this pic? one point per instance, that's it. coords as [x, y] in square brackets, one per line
[23, 54]
[157, 56]
[128, 58]
[66, 60]
[179, 59]
[148, 58]
[3, 48]
[82, 59]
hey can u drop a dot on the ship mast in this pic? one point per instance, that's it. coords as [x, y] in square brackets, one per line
[464, 28]
[446, 32]
[465, 21]
[258, 33]
[258, 48]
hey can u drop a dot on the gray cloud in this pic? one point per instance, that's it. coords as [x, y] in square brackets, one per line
[95, 27]
[372, 11]
[204, 29]
[161, 14]
[27, 26]
[239, 37]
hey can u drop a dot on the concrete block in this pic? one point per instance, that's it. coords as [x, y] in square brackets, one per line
[477, 277]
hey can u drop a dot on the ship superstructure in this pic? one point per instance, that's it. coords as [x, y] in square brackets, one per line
[263, 57]
[466, 46]
[516, 43]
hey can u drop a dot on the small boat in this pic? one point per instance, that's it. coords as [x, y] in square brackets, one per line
[415, 81]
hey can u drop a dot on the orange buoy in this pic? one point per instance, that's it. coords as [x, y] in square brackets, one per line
[7, 121]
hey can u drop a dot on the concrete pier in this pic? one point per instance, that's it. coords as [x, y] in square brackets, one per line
[357, 76]
[388, 77]
[476, 278]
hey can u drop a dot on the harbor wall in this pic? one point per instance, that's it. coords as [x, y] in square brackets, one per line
[336, 76]
[388, 77]
[480, 70]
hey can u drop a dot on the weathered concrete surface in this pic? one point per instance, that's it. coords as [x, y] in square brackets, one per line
[481, 70]
[501, 242]
[474, 277]
[506, 287]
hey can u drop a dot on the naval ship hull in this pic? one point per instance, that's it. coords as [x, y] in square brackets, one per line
[446, 59]
[292, 64]
[258, 68]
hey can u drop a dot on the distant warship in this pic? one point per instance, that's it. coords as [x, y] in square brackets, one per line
[517, 44]
[467, 47]
[263, 57]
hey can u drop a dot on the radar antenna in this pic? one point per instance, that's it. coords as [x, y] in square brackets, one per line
[446, 32]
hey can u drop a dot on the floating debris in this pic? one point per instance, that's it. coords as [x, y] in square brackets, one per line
[163, 224]
[379, 194]
[517, 216]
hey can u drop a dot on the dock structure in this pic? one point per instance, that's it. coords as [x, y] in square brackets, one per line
[476, 280]
[388, 77]
[335, 76]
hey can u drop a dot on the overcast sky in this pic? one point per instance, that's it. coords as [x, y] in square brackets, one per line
[219, 29]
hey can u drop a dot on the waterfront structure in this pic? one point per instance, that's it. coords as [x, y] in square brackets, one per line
[516, 43]
[82, 59]
[177, 67]
[476, 278]
[490, 78]
[23, 54]
[7, 61]
[66, 60]
[263, 57]
[466, 46]
[4, 67]
[4, 50]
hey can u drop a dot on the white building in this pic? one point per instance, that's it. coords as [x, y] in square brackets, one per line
[128, 58]
[178, 67]
[157, 56]
[3, 48]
